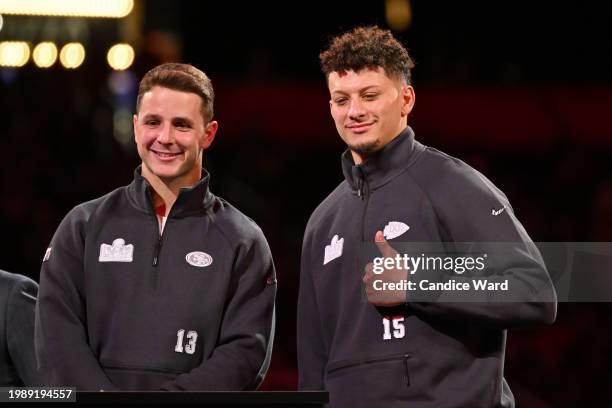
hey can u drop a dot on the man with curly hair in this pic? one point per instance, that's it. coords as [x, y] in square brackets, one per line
[389, 348]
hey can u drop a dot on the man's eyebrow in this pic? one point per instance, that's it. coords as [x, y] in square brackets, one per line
[369, 87]
[366, 88]
[182, 119]
[174, 119]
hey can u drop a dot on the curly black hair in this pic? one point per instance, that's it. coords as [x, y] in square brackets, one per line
[367, 47]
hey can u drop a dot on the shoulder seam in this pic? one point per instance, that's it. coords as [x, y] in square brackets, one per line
[426, 193]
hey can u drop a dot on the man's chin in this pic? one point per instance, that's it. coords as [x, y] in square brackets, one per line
[167, 177]
[165, 174]
[365, 149]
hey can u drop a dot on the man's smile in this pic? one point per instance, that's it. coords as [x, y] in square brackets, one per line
[360, 127]
[165, 156]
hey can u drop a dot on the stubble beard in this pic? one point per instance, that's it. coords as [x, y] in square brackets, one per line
[365, 149]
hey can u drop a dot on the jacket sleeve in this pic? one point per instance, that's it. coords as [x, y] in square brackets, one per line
[470, 209]
[20, 329]
[242, 355]
[61, 341]
[311, 351]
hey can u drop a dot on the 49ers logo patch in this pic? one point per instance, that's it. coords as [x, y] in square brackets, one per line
[199, 259]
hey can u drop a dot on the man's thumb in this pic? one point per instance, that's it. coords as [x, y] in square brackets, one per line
[383, 246]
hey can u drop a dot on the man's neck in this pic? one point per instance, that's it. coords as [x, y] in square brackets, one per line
[165, 193]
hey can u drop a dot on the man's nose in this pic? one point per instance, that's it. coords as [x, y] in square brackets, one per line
[356, 109]
[165, 135]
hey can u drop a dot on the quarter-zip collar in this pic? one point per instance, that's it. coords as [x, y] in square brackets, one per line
[383, 165]
[190, 200]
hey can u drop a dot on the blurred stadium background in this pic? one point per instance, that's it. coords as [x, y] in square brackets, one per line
[520, 90]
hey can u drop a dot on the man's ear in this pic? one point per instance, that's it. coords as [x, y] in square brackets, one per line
[408, 97]
[209, 134]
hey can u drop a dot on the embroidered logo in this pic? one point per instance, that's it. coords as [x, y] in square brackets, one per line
[47, 255]
[117, 252]
[394, 229]
[199, 259]
[333, 250]
[495, 212]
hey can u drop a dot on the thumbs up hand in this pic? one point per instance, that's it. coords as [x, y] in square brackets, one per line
[379, 294]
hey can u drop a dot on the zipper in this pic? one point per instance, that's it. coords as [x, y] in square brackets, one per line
[406, 356]
[157, 250]
[158, 245]
[364, 194]
[403, 357]
[363, 219]
[155, 262]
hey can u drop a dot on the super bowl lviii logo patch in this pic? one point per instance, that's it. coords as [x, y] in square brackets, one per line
[334, 249]
[47, 255]
[117, 252]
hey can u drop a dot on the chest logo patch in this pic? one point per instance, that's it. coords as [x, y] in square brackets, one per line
[117, 252]
[394, 229]
[333, 250]
[199, 259]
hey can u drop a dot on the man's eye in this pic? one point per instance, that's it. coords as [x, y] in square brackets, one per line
[152, 123]
[370, 96]
[340, 101]
[182, 126]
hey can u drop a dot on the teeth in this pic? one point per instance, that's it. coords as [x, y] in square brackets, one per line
[165, 154]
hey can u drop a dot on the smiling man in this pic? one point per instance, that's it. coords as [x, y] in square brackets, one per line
[386, 348]
[369, 108]
[159, 285]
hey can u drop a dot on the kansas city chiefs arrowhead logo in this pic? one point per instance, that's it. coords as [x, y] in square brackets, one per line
[394, 229]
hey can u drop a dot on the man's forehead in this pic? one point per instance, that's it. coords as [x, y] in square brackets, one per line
[361, 71]
[339, 81]
[170, 100]
[163, 91]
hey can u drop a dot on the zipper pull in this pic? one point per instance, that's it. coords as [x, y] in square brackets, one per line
[358, 177]
[362, 184]
[156, 253]
[360, 192]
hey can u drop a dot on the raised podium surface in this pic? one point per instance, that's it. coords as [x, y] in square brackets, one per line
[210, 398]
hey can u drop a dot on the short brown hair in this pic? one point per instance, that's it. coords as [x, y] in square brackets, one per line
[180, 77]
[367, 47]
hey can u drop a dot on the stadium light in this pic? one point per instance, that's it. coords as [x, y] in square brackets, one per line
[14, 53]
[398, 14]
[72, 55]
[120, 56]
[68, 8]
[44, 54]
